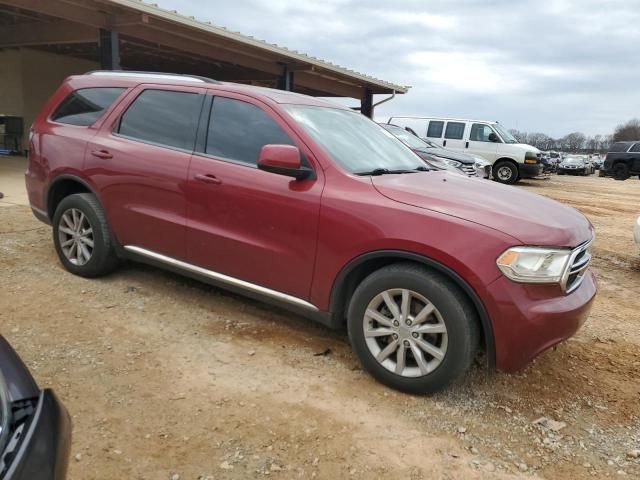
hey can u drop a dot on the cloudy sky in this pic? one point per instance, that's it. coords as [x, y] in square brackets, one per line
[552, 66]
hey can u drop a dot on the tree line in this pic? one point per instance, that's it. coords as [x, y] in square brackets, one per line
[578, 141]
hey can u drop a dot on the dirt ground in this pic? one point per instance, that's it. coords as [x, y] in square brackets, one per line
[167, 378]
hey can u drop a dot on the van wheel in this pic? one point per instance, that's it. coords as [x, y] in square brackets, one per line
[620, 171]
[412, 329]
[82, 237]
[505, 172]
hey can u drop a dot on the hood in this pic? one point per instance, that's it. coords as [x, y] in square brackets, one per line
[436, 163]
[529, 218]
[446, 153]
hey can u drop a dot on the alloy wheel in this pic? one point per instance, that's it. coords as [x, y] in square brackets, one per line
[76, 236]
[405, 333]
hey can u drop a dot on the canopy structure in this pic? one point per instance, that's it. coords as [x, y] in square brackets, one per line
[133, 35]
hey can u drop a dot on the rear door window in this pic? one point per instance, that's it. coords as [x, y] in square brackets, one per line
[454, 131]
[163, 117]
[635, 148]
[619, 147]
[238, 130]
[435, 129]
[85, 106]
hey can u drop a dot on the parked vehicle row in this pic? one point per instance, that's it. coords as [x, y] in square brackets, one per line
[510, 160]
[311, 206]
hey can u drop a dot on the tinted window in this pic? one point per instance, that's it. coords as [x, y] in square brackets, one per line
[635, 148]
[83, 107]
[454, 131]
[619, 147]
[480, 132]
[435, 129]
[238, 130]
[163, 117]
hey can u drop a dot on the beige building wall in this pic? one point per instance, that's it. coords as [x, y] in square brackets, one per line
[29, 77]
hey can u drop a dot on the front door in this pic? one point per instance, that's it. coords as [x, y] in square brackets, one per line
[243, 222]
[139, 162]
[479, 143]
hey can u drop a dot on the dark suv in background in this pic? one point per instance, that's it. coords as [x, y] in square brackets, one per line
[622, 160]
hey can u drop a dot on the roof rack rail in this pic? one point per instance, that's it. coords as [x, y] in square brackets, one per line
[159, 75]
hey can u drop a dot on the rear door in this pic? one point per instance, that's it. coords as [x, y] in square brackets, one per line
[478, 142]
[139, 162]
[454, 135]
[244, 222]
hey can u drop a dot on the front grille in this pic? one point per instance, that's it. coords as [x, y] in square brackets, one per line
[468, 169]
[578, 264]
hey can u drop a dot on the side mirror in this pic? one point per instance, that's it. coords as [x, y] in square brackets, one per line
[283, 160]
[493, 137]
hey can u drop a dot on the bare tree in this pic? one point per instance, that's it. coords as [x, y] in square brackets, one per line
[573, 142]
[627, 131]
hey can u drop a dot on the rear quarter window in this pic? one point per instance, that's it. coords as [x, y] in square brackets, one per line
[85, 106]
[619, 147]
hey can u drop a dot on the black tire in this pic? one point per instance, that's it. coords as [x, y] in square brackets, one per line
[505, 172]
[103, 257]
[620, 171]
[456, 312]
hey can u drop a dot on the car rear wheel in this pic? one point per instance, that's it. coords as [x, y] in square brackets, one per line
[505, 172]
[621, 171]
[82, 236]
[412, 329]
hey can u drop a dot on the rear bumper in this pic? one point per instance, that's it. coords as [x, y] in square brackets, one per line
[40, 436]
[44, 450]
[528, 170]
[528, 319]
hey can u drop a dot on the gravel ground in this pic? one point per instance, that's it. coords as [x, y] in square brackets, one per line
[167, 378]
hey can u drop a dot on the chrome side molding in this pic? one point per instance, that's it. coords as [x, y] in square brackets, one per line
[219, 277]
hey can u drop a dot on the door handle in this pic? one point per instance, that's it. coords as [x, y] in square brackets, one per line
[444, 144]
[101, 154]
[466, 145]
[208, 178]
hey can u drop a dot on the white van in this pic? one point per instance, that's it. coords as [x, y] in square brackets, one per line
[511, 160]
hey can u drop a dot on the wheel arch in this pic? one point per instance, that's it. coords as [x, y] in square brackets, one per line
[62, 187]
[357, 269]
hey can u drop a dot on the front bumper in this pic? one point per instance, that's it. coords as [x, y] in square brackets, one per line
[529, 170]
[577, 171]
[528, 319]
[40, 433]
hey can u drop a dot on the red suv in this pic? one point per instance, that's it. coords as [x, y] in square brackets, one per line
[303, 203]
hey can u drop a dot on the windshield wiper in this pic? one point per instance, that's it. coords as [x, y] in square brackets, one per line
[387, 171]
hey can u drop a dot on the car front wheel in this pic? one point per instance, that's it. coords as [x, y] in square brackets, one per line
[505, 172]
[412, 329]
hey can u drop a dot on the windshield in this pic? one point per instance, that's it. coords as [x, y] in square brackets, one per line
[504, 133]
[358, 144]
[409, 139]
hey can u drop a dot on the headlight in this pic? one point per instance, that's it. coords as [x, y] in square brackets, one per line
[531, 157]
[453, 163]
[534, 264]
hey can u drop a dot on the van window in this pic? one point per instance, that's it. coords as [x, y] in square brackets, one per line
[480, 132]
[238, 130]
[83, 107]
[435, 129]
[163, 117]
[454, 131]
